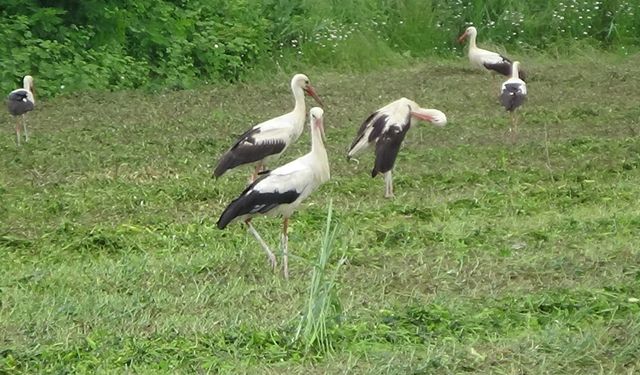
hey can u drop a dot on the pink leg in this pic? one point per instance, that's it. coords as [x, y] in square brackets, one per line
[388, 185]
[285, 247]
[24, 127]
[18, 130]
[259, 168]
[265, 247]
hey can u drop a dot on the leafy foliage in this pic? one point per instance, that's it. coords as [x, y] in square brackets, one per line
[71, 45]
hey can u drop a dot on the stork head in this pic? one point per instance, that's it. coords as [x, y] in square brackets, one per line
[469, 32]
[434, 116]
[316, 121]
[302, 81]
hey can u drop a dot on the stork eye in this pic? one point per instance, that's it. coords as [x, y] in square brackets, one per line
[306, 81]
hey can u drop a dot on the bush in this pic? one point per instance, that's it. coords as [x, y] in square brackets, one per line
[118, 44]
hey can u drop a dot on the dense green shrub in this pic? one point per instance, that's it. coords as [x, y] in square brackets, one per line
[73, 44]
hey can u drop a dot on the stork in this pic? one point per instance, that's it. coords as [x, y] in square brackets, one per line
[386, 128]
[268, 140]
[21, 101]
[280, 191]
[484, 59]
[512, 94]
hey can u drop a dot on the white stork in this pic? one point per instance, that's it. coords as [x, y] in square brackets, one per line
[386, 128]
[268, 140]
[486, 59]
[21, 101]
[512, 94]
[280, 191]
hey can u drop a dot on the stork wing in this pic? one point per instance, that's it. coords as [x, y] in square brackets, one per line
[388, 145]
[513, 94]
[370, 129]
[500, 64]
[284, 185]
[268, 138]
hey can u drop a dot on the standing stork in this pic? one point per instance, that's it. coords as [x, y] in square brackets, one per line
[512, 94]
[268, 140]
[484, 59]
[280, 191]
[386, 128]
[21, 101]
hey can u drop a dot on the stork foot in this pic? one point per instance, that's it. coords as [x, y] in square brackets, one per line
[389, 195]
[272, 261]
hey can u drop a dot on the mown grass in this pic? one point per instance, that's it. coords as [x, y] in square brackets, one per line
[492, 258]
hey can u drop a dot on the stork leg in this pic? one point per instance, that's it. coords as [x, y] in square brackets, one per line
[265, 247]
[24, 126]
[513, 130]
[18, 130]
[285, 247]
[259, 168]
[388, 185]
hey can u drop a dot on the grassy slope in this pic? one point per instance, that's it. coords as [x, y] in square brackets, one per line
[489, 259]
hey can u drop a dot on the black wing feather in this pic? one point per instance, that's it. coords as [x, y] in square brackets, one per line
[245, 151]
[378, 127]
[361, 130]
[512, 96]
[253, 202]
[504, 68]
[18, 103]
[388, 146]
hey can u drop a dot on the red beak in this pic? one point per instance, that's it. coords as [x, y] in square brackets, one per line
[312, 92]
[421, 116]
[462, 37]
[320, 125]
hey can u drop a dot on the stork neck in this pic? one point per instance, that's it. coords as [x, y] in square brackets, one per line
[317, 145]
[27, 84]
[514, 71]
[298, 95]
[472, 41]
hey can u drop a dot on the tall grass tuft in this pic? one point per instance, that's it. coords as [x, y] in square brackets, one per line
[323, 303]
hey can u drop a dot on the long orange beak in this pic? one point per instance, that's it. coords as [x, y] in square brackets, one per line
[462, 37]
[312, 92]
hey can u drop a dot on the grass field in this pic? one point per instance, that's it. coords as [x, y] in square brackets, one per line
[494, 257]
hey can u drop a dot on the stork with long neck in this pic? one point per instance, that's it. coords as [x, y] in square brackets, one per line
[21, 101]
[484, 59]
[512, 94]
[280, 191]
[266, 141]
[386, 129]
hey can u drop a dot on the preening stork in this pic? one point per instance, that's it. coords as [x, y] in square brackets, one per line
[268, 140]
[21, 101]
[512, 94]
[486, 59]
[280, 191]
[386, 129]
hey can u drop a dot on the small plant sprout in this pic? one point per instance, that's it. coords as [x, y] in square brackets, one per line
[322, 304]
